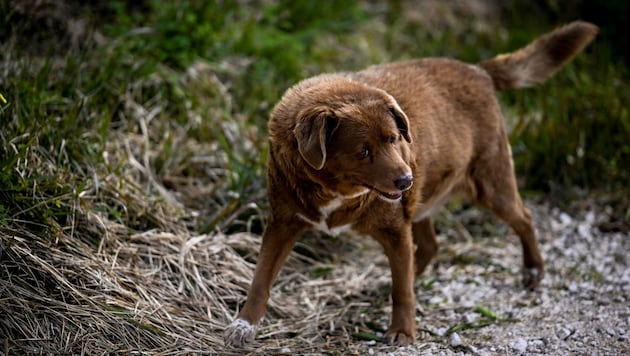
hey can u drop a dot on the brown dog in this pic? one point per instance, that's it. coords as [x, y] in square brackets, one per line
[378, 151]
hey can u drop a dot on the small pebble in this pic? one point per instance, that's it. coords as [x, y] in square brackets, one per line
[519, 345]
[469, 318]
[512, 314]
[455, 340]
[565, 219]
[563, 333]
[538, 344]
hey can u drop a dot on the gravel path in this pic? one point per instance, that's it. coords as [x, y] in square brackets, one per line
[582, 307]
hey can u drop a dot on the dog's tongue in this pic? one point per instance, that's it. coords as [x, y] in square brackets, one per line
[392, 196]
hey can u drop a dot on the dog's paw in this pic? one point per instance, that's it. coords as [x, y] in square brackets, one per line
[532, 277]
[239, 333]
[399, 338]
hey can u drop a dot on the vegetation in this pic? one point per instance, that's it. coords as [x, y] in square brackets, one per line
[211, 71]
[124, 117]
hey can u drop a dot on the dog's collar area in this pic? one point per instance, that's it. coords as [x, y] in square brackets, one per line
[329, 208]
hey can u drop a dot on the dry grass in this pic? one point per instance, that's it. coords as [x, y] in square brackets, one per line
[173, 293]
[128, 273]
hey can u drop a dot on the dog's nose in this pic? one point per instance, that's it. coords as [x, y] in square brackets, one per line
[404, 182]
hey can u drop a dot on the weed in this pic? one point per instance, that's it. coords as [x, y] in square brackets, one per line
[489, 317]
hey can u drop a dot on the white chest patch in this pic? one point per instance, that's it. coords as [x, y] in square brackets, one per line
[326, 210]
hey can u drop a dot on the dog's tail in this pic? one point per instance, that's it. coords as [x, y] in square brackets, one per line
[535, 63]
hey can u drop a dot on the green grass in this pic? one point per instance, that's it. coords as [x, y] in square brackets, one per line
[162, 120]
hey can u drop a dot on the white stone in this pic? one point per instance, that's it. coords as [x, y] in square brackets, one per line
[455, 340]
[519, 345]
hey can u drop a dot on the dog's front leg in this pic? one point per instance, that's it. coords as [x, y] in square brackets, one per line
[277, 242]
[398, 246]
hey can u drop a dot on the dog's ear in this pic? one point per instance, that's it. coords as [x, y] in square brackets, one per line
[315, 127]
[402, 121]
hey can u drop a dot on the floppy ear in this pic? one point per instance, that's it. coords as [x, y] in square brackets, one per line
[315, 127]
[402, 121]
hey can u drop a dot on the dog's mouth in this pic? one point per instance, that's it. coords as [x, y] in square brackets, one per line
[390, 196]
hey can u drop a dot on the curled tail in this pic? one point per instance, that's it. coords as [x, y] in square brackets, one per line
[540, 59]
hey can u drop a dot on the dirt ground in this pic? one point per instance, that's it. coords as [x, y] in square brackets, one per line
[169, 293]
[581, 308]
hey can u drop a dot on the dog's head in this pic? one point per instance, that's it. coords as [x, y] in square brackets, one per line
[358, 136]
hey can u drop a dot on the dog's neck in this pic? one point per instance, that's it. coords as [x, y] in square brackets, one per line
[323, 222]
[317, 193]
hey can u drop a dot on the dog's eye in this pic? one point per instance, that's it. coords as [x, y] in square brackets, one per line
[365, 153]
[393, 139]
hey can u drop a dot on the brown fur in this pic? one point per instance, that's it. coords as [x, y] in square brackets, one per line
[379, 150]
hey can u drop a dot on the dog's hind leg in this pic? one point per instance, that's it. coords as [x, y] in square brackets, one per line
[495, 189]
[426, 244]
[519, 218]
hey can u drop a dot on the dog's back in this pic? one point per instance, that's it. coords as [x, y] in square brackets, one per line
[452, 105]
[523, 68]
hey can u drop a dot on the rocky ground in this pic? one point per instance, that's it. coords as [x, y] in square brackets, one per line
[470, 301]
[474, 304]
